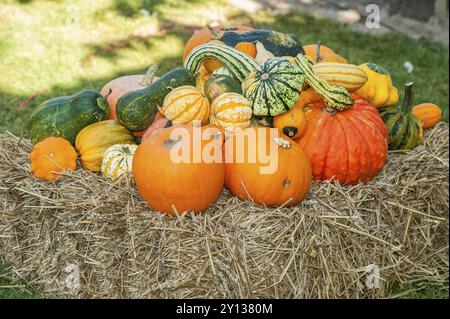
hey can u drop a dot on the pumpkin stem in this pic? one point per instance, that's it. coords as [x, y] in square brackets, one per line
[168, 124]
[283, 143]
[149, 75]
[102, 103]
[318, 51]
[408, 99]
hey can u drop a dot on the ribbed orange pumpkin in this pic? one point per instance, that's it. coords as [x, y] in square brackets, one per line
[429, 114]
[186, 104]
[277, 177]
[349, 146]
[171, 187]
[50, 155]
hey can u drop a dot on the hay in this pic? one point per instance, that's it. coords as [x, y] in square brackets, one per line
[321, 248]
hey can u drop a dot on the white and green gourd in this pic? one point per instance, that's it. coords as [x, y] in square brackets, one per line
[273, 87]
[117, 160]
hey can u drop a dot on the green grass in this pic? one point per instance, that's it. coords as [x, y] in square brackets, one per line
[53, 48]
[15, 289]
[419, 291]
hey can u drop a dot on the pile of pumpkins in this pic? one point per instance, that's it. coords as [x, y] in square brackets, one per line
[335, 120]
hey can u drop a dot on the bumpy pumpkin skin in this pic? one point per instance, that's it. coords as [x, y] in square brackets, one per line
[231, 111]
[172, 187]
[288, 184]
[92, 142]
[117, 160]
[405, 130]
[378, 89]
[186, 104]
[52, 154]
[429, 114]
[349, 146]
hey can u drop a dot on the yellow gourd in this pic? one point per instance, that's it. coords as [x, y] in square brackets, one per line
[231, 111]
[378, 90]
[186, 104]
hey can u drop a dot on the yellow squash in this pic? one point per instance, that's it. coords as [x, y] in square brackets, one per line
[378, 90]
[92, 142]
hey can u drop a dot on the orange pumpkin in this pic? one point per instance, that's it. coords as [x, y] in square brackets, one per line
[246, 47]
[114, 89]
[429, 114]
[205, 35]
[52, 155]
[172, 185]
[349, 146]
[281, 175]
[325, 55]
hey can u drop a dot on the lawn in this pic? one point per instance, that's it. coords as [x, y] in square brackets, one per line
[53, 48]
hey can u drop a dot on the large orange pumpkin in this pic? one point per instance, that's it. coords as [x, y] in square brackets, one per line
[171, 185]
[349, 146]
[277, 177]
[207, 34]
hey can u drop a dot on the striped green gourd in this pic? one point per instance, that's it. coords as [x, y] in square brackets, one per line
[405, 130]
[238, 63]
[335, 97]
[274, 88]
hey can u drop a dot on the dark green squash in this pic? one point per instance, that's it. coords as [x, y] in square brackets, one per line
[279, 44]
[65, 116]
[405, 130]
[136, 110]
[218, 84]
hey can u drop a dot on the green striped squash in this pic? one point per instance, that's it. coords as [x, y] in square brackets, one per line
[117, 160]
[335, 97]
[405, 130]
[349, 76]
[274, 87]
[238, 63]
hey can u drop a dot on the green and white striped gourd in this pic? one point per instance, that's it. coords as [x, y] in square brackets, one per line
[405, 130]
[117, 160]
[273, 87]
[238, 63]
[335, 97]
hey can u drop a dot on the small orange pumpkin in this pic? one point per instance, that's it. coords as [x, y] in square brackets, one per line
[52, 155]
[173, 185]
[429, 114]
[246, 47]
[277, 177]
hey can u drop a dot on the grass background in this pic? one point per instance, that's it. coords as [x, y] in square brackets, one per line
[53, 48]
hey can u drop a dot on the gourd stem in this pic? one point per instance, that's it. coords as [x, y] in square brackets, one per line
[168, 124]
[408, 99]
[102, 103]
[149, 75]
[318, 51]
